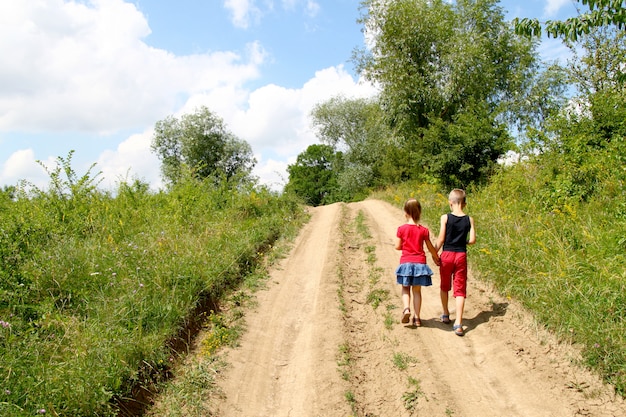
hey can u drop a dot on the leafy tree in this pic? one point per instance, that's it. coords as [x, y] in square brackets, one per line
[601, 13]
[473, 141]
[434, 59]
[357, 128]
[584, 150]
[314, 175]
[201, 142]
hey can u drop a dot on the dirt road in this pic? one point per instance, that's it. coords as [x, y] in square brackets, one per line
[325, 339]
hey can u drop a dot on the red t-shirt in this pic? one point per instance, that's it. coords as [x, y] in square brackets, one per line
[413, 236]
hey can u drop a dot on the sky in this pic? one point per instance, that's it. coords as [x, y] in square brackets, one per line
[92, 77]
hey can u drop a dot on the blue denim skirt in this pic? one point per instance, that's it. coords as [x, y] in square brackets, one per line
[410, 274]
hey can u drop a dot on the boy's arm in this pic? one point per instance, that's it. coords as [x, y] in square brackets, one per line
[442, 232]
[472, 233]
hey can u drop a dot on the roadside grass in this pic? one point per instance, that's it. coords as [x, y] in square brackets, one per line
[563, 259]
[99, 291]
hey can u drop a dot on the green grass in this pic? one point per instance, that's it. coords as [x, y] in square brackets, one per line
[564, 261]
[96, 289]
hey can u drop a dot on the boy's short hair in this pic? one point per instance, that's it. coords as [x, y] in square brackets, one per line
[457, 196]
[413, 208]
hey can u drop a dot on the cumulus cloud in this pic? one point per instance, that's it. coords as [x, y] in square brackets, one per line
[245, 13]
[71, 66]
[274, 120]
[64, 62]
[312, 8]
[553, 7]
[132, 160]
[22, 165]
[242, 12]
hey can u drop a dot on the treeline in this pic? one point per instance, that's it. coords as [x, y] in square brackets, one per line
[461, 94]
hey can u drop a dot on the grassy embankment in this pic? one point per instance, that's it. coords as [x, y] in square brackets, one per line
[566, 263]
[98, 292]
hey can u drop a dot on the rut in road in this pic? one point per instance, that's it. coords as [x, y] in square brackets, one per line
[325, 339]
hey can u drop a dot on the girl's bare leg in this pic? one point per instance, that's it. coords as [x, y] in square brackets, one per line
[406, 299]
[417, 300]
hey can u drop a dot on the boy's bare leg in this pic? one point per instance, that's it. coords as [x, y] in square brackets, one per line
[460, 305]
[444, 302]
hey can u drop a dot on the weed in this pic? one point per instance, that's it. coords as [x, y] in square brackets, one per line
[361, 227]
[377, 296]
[389, 321]
[351, 400]
[402, 361]
[412, 396]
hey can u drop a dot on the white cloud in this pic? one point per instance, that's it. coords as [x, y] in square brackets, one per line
[64, 62]
[84, 67]
[272, 173]
[132, 160]
[242, 12]
[22, 165]
[312, 8]
[274, 120]
[552, 50]
[553, 7]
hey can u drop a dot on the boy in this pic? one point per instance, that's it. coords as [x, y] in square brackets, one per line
[455, 233]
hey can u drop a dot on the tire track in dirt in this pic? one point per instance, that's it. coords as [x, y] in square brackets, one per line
[288, 362]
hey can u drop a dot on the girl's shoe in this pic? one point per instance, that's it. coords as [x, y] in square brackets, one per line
[417, 322]
[445, 318]
[406, 315]
[458, 329]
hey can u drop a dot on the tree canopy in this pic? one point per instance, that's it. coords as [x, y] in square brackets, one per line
[200, 142]
[601, 13]
[437, 62]
[313, 177]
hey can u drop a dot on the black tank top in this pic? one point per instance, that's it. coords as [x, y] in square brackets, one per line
[457, 229]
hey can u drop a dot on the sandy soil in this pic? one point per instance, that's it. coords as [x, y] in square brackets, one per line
[316, 346]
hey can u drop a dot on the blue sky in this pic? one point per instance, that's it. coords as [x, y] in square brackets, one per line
[94, 76]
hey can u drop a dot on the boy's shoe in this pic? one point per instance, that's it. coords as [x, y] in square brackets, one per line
[406, 315]
[445, 318]
[458, 329]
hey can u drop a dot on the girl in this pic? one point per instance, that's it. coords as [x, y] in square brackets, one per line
[413, 272]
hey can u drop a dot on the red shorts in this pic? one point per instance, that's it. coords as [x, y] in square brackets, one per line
[453, 270]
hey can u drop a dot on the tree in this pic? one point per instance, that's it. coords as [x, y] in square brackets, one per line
[584, 151]
[314, 175]
[201, 142]
[432, 60]
[357, 128]
[601, 13]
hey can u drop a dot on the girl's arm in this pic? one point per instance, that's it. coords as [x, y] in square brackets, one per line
[433, 252]
[399, 244]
